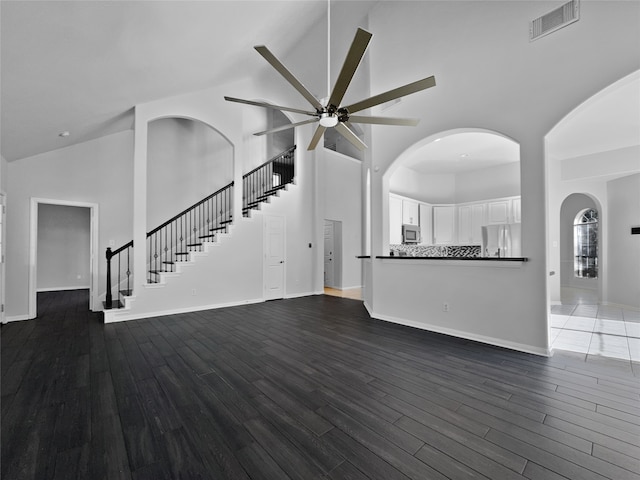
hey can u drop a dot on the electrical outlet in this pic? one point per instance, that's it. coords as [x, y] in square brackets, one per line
[445, 307]
[193, 292]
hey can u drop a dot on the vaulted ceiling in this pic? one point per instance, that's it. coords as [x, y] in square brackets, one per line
[81, 66]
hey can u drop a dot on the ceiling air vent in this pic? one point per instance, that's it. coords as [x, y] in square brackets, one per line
[554, 20]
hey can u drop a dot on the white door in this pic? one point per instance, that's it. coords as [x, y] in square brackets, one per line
[274, 257]
[329, 277]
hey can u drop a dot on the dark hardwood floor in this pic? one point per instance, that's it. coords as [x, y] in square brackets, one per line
[299, 389]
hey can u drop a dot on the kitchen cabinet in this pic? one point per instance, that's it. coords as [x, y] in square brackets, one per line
[470, 222]
[498, 211]
[410, 215]
[395, 220]
[426, 222]
[515, 203]
[444, 224]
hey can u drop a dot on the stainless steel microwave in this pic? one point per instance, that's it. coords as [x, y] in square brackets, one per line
[410, 234]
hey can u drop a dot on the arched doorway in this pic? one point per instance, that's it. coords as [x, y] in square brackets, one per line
[579, 251]
[593, 171]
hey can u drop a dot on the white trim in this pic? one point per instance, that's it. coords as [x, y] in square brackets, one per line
[60, 289]
[466, 335]
[94, 304]
[16, 318]
[622, 306]
[303, 294]
[347, 288]
[121, 315]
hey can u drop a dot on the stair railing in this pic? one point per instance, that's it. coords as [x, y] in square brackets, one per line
[199, 223]
[187, 230]
[174, 238]
[265, 180]
[123, 256]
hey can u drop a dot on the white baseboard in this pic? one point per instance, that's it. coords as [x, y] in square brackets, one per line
[498, 342]
[304, 294]
[60, 289]
[16, 318]
[348, 288]
[113, 316]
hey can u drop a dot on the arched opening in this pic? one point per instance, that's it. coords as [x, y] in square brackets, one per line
[579, 283]
[593, 173]
[186, 161]
[456, 193]
[594, 151]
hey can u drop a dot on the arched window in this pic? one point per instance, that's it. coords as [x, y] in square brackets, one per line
[585, 244]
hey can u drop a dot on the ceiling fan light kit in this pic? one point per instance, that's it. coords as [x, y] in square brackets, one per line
[332, 114]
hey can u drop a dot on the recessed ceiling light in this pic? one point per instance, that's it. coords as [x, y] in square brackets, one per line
[64, 134]
[464, 155]
[437, 139]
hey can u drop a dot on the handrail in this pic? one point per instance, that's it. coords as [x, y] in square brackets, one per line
[187, 210]
[276, 157]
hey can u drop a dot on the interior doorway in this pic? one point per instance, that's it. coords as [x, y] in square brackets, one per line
[333, 254]
[65, 223]
[274, 248]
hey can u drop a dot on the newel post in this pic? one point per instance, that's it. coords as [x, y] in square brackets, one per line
[108, 298]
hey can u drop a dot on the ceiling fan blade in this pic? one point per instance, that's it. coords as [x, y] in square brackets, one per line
[406, 122]
[286, 127]
[392, 94]
[351, 63]
[316, 137]
[349, 135]
[288, 76]
[268, 105]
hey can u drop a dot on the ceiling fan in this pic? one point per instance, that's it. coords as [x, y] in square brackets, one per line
[332, 114]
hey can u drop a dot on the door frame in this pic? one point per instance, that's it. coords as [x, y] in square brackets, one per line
[265, 244]
[33, 251]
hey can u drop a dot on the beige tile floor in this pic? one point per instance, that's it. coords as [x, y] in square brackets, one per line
[353, 293]
[597, 330]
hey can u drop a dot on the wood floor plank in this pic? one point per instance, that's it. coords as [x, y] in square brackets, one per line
[300, 388]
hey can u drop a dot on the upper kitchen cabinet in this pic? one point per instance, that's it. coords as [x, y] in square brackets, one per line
[503, 210]
[410, 214]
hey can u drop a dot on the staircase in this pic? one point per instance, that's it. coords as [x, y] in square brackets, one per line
[193, 233]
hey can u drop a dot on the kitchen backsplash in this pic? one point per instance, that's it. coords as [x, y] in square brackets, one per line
[437, 250]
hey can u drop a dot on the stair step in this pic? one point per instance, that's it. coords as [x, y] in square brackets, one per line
[168, 263]
[181, 253]
[225, 222]
[193, 245]
[213, 235]
[158, 272]
[217, 229]
[126, 293]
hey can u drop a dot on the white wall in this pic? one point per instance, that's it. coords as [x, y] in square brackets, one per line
[624, 249]
[98, 171]
[188, 161]
[64, 247]
[341, 195]
[487, 183]
[436, 188]
[3, 174]
[526, 88]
